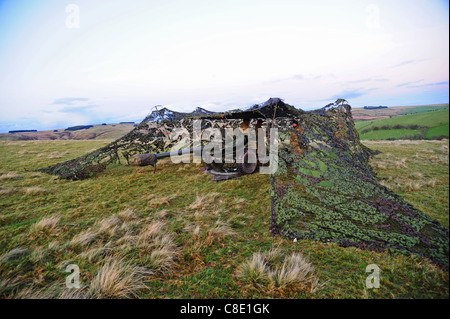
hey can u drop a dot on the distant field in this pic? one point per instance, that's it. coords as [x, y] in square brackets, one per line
[363, 114]
[417, 125]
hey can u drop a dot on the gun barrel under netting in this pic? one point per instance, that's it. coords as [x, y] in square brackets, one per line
[179, 152]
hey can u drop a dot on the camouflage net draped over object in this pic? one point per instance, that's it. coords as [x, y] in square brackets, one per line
[324, 188]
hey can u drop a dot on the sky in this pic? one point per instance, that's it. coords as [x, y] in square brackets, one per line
[65, 63]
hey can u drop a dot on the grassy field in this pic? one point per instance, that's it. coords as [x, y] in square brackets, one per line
[177, 234]
[421, 125]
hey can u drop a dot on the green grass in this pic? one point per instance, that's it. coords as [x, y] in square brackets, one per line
[211, 229]
[424, 108]
[437, 131]
[385, 134]
[433, 123]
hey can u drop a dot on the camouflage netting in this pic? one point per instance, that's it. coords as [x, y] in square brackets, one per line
[324, 188]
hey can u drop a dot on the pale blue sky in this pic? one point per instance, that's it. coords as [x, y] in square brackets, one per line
[127, 56]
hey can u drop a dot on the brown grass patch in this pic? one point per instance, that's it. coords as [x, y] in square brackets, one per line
[6, 190]
[278, 270]
[35, 190]
[48, 224]
[9, 175]
[84, 238]
[117, 279]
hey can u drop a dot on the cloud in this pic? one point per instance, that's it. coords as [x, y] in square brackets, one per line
[349, 94]
[429, 84]
[407, 62]
[302, 77]
[78, 109]
[298, 77]
[369, 79]
[408, 83]
[70, 100]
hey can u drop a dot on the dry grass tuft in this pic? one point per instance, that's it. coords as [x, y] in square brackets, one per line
[221, 228]
[295, 270]
[9, 286]
[193, 228]
[53, 291]
[151, 231]
[381, 165]
[254, 270]
[96, 253]
[162, 259]
[431, 183]
[47, 224]
[26, 152]
[162, 213]
[401, 163]
[161, 201]
[36, 175]
[164, 241]
[80, 293]
[278, 270]
[159, 245]
[84, 238]
[117, 279]
[414, 185]
[127, 215]
[35, 190]
[14, 254]
[203, 201]
[109, 225]
[35, 293]
[57, 154]
[6, 190]
[418, 175]
[9, 175]
[38, 254]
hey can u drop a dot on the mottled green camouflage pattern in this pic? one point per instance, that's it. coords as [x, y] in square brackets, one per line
[328, 192]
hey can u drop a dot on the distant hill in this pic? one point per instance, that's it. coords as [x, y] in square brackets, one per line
[101, 131]
[81, 132]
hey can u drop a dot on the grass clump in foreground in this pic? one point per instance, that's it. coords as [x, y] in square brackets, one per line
[177, 234]
[275, 270]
